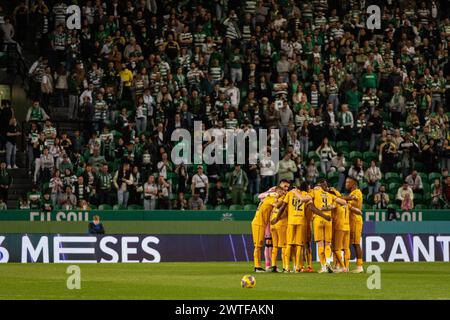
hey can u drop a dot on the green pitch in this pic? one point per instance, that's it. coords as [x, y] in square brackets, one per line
[219, 281]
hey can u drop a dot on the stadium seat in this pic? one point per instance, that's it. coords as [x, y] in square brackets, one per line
[369, 156]
[392, 177]
[342, 146]
[119, 207]
[235, 207]
[424, 177]
[420, 207]
[434, 175]
[134, 207]
[250, 207]
[209, 206]
[256, 199]
[104, 207]
[393, 206]
[363, 186]
[393, 186]
[248, 198]
[313, 155]
[333, 177]
[321, 175]
[221, 207]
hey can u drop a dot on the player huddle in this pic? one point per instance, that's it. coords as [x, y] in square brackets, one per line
[287, 218]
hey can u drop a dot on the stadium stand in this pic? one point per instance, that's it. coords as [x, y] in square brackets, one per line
[104, 100]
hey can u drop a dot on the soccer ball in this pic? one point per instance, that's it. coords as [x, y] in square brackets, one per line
[248, 281]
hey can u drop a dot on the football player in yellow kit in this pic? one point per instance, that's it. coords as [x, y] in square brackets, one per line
[355, 203]
[341, 235]
[260, 222]
[278, 232]
[325, 202]
[268, 235]
[294, 205]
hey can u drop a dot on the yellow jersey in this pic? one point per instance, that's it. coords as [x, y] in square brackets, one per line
[358, 203]
[341, 216]
[295, 208]
[282, 221]
[321, 198]
[264, 210]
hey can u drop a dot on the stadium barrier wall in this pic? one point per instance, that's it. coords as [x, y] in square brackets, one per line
[74, 249]
[205, 215]
[202, 227]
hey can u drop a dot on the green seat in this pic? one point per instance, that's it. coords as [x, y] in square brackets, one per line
[235, 207]
[250, 207]
[93, 207]
[355, 154]
[104, 207]
[313, 155]
[363, 186]
[333, 177]
[434, 175]
[119, 207]
[221, 207]
[420, 207]
[392, 177]
[248, 198]
[134, 207]
[256, 199]
[342, 146]
[393, 187]
[423, 176]
[209, 206]
[369, 156]
[393, 206]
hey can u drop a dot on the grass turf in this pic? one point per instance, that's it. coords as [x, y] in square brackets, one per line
[186, 281]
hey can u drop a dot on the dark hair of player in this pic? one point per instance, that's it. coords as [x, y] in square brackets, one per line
[284, 181]
[304, 186]
[354, 180]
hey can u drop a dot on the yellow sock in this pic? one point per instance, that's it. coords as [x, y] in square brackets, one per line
[359, 262]
[294, 257]
[257, 257]
[299, 257]
[288, 256]
[274, 256]
[347, 257]
[322, 258]
[337, 258]
[284, 258]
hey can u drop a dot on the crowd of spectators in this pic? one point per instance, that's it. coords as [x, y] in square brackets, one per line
[347, 100]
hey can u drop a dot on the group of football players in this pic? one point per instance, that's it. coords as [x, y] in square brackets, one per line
[287, 218]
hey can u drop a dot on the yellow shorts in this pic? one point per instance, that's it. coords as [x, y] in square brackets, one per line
[296, 234]
[323, 230]
[279, 235]
[341, 240]
[258, 235]
[356, 232]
